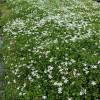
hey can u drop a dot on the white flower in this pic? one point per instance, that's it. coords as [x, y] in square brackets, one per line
[44, 97]
[55, 83]
[66, 58]
[70, 63]
[6, 76]
[11, 64]
[51, 59]
[72, 83]
[14, 81]
[65, 81]
[50, 68]
[72, 60]
[78, 74]
[39, 86]
[94, 83]
[8, 82]
[66, 63]
[50, 76]
[47, 52]
[63, 77]
[73, 38]
[18, 76]
[59, 67]
[94, 66]
[24, 84]
[21, 89]
[55, 41]
[14, 33]
[57, 47]
[18, 88]
[83, 48]
[45, 71]
[24, 93]
[83, 91]
[86, 72]
[20, 93]
[84, 64]
[59, 90]
[69, 99]
[34, 74]
[60, 84]
[37, 76]
[98, 62]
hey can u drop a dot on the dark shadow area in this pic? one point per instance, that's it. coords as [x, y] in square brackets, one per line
[3, 1]
[97, 0]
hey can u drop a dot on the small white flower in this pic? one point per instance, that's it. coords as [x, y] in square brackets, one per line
[83, 48]
[69, 99]
[45, 71]
[39, 86]
[21, 89]
[50, 68]
[11, 64]
[60, 84]
[40, 56]
[59, 90]
[18, 76]
[94, 66]
[14, 81]
[18, 88]
[14, 33]
[86, 71]
[55, 41]
[78, 74]
[50, 76]
[83, 91]
[93, 82]
[84, 64]
[37, 76]
[65, 81]
[45, 80]
[66, 41]
[24, 93]
[51, 59]
[20, 93]
[8, 82]
[59, 67]
[98, 62]
[31, 80]
[31, 61]
[98, 46]
[63, 77]
[44, 97]
[34, 74]
[24, 84]
[72, 83]
[66, 58]
[55, 83]
[66, 63]
[28, 66]
[16, 70]
[57, 47]
[6, 76]
[96, 43]
[69, 63]
[72, 60]
[73, 38]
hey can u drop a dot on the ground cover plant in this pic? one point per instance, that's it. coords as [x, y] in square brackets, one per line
[51, 50]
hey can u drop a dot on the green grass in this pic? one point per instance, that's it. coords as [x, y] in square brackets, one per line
[51, 50]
